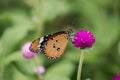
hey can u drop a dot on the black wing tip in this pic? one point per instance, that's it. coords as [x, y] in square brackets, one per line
[32, 50]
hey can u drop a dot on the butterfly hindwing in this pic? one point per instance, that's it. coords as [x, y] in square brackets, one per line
[56, 45]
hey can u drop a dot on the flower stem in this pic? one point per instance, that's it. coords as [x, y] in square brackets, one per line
[80, 65]
[36, 61]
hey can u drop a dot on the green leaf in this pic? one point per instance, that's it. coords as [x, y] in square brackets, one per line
[69, 55]
[16, 56]
[11, 73]
[48, 10]
[54, 77]
[12, 37]
[119, 47]
[20, 76]
[58, 6]
[62, 69]
[25, 67]
[88, 50]
[100, 76]
[8, 72]
[20, 19]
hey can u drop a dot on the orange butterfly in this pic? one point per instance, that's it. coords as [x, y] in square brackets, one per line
[53, 45]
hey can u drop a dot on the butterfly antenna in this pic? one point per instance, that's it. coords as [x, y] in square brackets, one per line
[74, 20]
[72, 24]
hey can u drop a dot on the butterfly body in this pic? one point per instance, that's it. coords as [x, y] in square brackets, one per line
[53, 45]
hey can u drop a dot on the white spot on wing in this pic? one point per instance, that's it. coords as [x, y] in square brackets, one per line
[39, 45]
[41, 40]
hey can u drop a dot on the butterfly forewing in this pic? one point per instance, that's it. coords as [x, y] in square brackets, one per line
[34, 46]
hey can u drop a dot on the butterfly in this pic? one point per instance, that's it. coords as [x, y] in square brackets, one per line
[53, 45]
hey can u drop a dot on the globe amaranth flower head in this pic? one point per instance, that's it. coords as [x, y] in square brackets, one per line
[39, 69]
[83, 39]
[26, 52]
[116, 77]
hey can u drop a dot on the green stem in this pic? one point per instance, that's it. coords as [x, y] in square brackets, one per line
[1, 73]
[36, 62]
[80, 65]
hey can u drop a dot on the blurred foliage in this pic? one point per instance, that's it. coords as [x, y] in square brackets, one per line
[26, 20]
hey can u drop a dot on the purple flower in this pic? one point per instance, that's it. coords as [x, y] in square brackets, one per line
[116, 77]
[83, 39]
[26, 52]
[39, 69]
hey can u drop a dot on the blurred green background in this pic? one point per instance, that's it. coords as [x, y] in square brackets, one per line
[25, 20]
